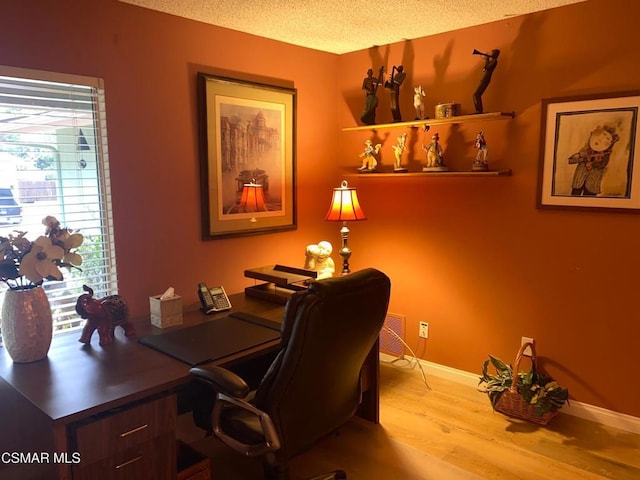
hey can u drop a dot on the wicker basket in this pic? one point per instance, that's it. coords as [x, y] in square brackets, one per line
[511, 402]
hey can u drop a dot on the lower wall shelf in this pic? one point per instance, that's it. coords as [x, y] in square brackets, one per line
[490, 173]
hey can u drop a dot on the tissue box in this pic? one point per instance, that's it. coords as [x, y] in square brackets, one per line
[166, 313]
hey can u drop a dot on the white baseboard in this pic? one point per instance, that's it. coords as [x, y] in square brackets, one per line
[577, 409]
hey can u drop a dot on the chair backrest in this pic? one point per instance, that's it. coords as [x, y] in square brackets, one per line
[313, 386]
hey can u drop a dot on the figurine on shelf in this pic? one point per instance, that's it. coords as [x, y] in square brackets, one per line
[435, 155]
[393, 84]
[398, 150]
[481, 163]
[369, 161]
[370, 87]
[318, 258]
[418, 102]
[490, 64]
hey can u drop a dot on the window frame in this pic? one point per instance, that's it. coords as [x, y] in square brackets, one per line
[63, 294]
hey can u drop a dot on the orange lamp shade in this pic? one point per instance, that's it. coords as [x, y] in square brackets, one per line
[345, 205]
[252, 199]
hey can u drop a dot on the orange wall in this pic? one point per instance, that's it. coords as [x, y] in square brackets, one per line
[474, 257]
[149, 62]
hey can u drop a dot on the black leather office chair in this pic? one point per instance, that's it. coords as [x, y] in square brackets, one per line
[313, 385]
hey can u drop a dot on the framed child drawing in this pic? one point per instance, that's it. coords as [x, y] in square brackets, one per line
[589, 154]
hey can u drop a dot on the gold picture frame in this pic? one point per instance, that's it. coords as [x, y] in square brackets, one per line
[588, 154]
[247, 137]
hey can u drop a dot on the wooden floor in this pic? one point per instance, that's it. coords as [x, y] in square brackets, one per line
[450, 432]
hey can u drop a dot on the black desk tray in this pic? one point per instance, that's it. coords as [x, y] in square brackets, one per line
[282, 282]
[215, 339]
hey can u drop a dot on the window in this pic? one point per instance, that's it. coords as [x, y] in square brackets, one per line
[53, 158]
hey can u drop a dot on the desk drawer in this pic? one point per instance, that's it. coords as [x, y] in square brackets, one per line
[120, 430]
[152, 460]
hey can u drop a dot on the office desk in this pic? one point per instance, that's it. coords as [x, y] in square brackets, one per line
[42, 404]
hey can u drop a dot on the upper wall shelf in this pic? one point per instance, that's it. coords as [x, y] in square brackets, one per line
[435, 121]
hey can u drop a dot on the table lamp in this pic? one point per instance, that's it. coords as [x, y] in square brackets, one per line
[345, 207]
[252, 199]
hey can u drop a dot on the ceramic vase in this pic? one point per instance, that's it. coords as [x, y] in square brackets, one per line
[27, 324]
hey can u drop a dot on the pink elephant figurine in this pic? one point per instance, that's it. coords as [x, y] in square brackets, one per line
[103, 314]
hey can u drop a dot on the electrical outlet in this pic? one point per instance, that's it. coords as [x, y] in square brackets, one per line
[527, 352]
[424, 330]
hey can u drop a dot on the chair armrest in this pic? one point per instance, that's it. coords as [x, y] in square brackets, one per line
[221, 380]
[271, 440]
[231, 390]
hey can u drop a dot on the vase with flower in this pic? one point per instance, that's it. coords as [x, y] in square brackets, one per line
[26, 319]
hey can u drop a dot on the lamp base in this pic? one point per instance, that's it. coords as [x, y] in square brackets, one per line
[345, 252]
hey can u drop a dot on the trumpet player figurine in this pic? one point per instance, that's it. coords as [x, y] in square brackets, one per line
[490, 64]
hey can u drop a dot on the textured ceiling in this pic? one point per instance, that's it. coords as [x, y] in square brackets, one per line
[341, 26]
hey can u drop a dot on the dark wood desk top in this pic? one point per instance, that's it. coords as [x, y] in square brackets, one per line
[77, 380]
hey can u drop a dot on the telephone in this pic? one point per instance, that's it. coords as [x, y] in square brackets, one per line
[213, 299]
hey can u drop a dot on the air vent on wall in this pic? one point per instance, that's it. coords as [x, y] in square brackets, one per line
[392, 335]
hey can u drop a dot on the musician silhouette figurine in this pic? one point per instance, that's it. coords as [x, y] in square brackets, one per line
[490, 64]
[393, 84]
[370, 87]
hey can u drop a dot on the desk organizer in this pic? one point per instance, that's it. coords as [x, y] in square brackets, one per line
[281, 282]
[166, 313]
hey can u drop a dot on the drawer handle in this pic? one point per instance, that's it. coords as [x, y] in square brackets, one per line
[129, 462]
[126, 434]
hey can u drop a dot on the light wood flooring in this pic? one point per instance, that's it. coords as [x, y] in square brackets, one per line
[448, 432]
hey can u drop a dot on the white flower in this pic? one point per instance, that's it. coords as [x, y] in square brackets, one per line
[69, 242]
[25, 264]
[39, 264]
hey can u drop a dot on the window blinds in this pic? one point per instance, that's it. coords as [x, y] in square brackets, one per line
[53, 155]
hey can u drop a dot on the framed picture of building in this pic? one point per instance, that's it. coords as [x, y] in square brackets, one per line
[589, 157]
[247, 143]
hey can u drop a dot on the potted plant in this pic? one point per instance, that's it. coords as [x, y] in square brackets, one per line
[531, 395]
[26, 318]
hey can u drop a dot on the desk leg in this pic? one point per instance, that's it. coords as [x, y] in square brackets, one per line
[370, 407]
[61, 442]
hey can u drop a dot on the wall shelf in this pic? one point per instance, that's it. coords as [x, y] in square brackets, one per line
[491, 173]
[480, 117]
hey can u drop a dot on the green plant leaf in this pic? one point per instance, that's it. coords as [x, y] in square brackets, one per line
[499, 365]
